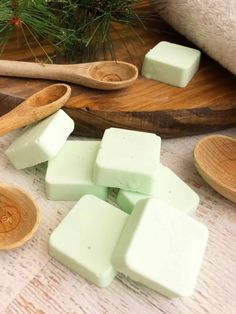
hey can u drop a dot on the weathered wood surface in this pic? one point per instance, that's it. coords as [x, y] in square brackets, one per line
[32, 282]
[208, 103]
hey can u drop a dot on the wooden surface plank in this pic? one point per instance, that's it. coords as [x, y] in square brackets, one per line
[33, 282]
[208, 103]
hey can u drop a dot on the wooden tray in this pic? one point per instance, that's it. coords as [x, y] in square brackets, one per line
[208, 103]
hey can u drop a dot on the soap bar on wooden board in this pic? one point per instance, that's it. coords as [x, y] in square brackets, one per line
[84, 241]
[41, 141]
[128, 160]
[69, 174]
[161, 248]
[171, 63]
[169, 188]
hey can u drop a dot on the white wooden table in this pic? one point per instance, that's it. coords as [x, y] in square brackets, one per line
[32, 282]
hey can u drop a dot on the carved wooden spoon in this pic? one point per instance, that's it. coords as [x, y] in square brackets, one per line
[215, 160]
[19, 217]
[99, 75]
[35, 108]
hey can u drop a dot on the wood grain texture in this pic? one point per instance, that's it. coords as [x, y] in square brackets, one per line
[35, 108]
[208, 103]
[33, 282]
[104, 75]
[19, 217]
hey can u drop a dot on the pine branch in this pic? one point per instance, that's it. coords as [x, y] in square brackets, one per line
[75, 28]
[33, 17]
[92, 21]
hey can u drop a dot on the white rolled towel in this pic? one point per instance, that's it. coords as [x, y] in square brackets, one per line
[210, 24]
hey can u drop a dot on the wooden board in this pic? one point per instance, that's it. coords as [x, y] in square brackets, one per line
[208, 103]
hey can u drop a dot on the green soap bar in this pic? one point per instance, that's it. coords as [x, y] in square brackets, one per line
[162, 248]
[69, 174]
[169, 188]
[128, 160]
[40, 141]
[172, 64]
[84, 241]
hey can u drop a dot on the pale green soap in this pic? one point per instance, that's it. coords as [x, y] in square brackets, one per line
[171, 63]
[162, 248]
[169, 188]
[128, 160]
[69, 174]
[41, 141]
[84, 241]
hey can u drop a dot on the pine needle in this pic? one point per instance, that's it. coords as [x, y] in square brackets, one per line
[80, 30]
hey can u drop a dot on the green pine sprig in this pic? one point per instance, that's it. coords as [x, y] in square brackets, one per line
[91, 22]
[80, 30]
[31, 18]
[5, 28]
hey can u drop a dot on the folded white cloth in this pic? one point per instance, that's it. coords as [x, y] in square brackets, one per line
[210, 24]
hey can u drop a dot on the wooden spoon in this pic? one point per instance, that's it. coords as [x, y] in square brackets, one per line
[99, 75]
[35, 108]
[215, 160]
[19, 217]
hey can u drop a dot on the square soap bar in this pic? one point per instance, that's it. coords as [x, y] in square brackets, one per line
[171, 63]
[162, 248]
[128, 160]
[69, 174]
[84, 241]
[169, 188]
[41, 141]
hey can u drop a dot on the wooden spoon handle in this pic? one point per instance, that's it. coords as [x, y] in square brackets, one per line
[73, 73]
[31, 70]
[12, 120]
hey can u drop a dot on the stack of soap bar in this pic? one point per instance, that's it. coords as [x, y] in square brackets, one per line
[169, 188]
[161, 248]
[69, 174]
[170, 63]
[84, 241]
[128, 160]
[41, 141]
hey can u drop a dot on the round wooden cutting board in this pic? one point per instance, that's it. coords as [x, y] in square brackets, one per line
[208, 103]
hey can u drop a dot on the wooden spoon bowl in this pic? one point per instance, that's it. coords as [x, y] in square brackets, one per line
[19, 217]
[111, 71]
[55, 93]
[215, 160]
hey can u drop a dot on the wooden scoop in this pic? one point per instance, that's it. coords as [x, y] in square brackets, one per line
[99, 75]
[19, 217]
[215, 160]
[35, 108]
